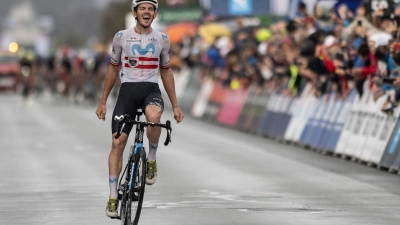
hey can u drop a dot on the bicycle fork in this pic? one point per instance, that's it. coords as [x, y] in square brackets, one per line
[133, 171]
[127, 186]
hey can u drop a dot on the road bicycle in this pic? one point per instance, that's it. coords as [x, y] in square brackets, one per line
[131, 186]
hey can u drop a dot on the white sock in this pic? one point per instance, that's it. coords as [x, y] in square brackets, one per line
[113, 181]
[152, 152]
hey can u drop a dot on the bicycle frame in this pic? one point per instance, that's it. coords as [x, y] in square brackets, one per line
[133, 150]
[136, 153]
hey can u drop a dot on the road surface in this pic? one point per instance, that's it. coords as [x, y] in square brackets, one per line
[53, 167]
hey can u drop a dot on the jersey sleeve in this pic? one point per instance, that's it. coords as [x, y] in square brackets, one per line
[116, 50]
[164, 56]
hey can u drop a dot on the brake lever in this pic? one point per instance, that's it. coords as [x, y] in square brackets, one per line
[169, 132]
[168, 139]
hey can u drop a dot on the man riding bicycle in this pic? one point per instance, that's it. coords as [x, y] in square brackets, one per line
[140, 52]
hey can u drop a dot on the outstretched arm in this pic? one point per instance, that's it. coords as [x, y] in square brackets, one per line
[169, 84]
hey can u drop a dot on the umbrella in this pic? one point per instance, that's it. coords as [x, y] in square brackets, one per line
[210, 31]
[176, 32]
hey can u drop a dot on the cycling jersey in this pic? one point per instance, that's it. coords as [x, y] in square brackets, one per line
[140, 55]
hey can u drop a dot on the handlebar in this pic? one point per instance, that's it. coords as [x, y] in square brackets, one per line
[126, 119]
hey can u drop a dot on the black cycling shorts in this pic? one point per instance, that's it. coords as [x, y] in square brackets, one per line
[134, 95]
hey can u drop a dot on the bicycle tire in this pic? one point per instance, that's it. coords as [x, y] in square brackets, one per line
[123, 206]
[139, 185]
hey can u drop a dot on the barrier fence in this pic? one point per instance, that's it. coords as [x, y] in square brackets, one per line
[352, 128]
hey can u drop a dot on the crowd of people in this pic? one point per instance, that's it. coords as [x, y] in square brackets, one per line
[333, 49]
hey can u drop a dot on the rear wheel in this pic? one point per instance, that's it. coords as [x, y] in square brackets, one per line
[136, 195]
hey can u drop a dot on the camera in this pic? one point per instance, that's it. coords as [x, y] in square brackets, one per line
[388, 80]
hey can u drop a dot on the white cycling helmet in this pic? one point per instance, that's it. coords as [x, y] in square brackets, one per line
[135, 3]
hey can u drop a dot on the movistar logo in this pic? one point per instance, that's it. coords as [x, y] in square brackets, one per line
[113, 180]
[143, 51]
[119, 34]
[119, 117]
[164, 36]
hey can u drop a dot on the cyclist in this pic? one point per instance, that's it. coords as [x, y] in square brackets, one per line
[140, 52]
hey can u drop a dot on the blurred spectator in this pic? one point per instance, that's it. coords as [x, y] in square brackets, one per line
[333, 49]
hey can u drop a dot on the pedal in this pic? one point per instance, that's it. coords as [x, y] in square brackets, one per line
[120, 190]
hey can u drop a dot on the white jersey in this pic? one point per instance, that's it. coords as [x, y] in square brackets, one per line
[140, 55]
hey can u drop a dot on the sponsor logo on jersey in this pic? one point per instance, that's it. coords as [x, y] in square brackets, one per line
[143, 51]
[152, 39]
[164, 37]
[156, 104]
[119, 34]
[130, 41]
[133, 39]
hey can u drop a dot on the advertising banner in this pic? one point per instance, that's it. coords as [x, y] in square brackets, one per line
[320, 121]
[370, 129]
[323, 128]
[280, 105]
[279, 124]
[232, 106]
[226, 8]
[201, 101]
[392, 148]
[247, 113]
[360, 120]
[372, 143]
[327, 143]
[357, 142]
[217, 97]
[190, 88]
[305, 110]
[295, 106]
[383, 139]
[396, 163]
[351, 122]
[261, 100]
[309, 132]
[302, 112]
[339, 124]
[253, 109]
[270, 115]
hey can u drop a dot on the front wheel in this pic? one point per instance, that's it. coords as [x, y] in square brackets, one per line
[136, 194]
[123, 206]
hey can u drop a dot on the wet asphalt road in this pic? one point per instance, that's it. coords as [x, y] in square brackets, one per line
[53, 168]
